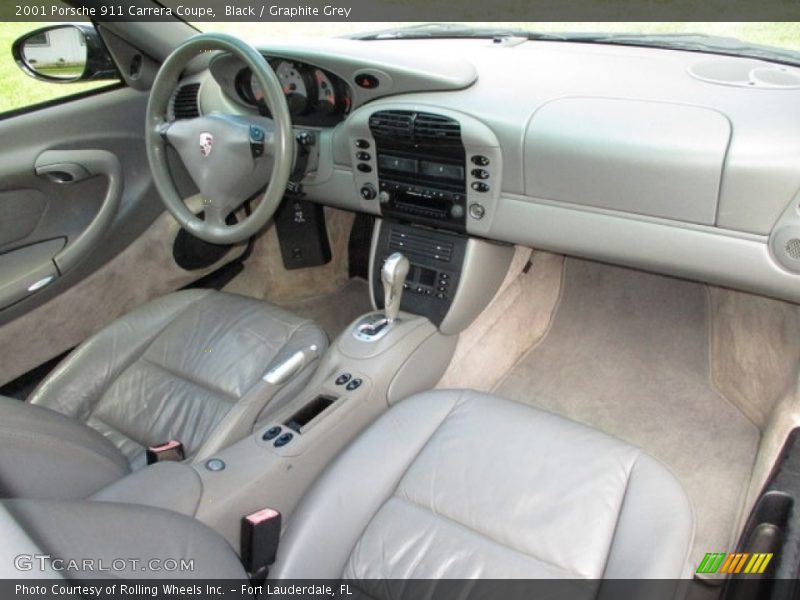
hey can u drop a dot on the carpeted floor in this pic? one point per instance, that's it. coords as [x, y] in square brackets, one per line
[334, 311]
[628, 353]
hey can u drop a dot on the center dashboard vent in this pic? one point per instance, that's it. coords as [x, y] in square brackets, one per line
[184, 102]
[414, 127]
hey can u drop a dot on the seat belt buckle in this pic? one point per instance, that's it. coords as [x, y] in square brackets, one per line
[261, 532]
[171, 450]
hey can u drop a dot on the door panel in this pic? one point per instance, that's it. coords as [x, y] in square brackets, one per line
[35, 207]
[132, 262]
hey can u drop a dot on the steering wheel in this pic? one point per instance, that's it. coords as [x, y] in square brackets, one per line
[229, 157]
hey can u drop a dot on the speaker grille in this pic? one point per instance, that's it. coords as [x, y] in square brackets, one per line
[793, 248]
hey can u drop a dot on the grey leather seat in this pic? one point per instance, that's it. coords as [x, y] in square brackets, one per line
[187, 366]
[461, 484]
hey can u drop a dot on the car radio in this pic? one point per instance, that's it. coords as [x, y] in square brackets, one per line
[421, 167]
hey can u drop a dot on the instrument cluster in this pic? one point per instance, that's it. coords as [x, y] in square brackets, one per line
[315, 96]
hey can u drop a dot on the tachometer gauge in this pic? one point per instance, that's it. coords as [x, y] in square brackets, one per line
[298, 86]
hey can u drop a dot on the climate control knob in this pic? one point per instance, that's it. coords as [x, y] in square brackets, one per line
[368, 191]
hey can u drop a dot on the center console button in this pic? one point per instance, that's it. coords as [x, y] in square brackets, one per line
[215, 464]
[343, 378]
[271, 433]
[283, 440]
[362, 144]
[353, 385]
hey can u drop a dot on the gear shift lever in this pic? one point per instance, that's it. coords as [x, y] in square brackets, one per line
[393, 275]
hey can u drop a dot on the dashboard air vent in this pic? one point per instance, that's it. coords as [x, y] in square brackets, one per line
[184, 103]
[428, 127]
[397, 124]
[421, 244]
[417, 128]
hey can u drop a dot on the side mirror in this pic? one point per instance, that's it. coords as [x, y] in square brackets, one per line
[63, 54]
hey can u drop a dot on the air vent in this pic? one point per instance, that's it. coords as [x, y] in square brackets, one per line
[418, 128]
[184, 103]
[397, 124]
[436, 128]
[420, 244]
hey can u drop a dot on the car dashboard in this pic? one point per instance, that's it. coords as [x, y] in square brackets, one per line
[671, 161]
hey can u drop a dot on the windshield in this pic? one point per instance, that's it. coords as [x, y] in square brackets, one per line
[778, 41]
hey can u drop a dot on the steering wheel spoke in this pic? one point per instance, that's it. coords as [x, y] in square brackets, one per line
[229, 157]
[214, 214]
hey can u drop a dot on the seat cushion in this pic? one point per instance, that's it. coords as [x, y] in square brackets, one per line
[186, 366]
[460, 484]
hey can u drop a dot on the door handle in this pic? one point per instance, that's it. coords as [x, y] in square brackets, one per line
[69, 166]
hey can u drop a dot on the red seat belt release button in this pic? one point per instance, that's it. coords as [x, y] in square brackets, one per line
[261, 532]
[171, 450]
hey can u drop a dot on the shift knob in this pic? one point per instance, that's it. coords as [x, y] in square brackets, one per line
[393, 275]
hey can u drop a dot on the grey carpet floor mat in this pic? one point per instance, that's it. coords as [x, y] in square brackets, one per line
[627, 353]
[333, 312]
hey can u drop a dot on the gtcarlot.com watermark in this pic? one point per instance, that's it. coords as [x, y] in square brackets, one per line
[45, 562]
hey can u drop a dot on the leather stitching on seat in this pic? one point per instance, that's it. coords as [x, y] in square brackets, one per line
[620, 509]
[136, 355]
[185, 378]
[484, 536]
[369, 521]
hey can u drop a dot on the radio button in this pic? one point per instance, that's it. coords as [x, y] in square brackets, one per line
[365, 156]
[480, 160]
[479, 186]
[478, 173]
[364, 168]
[456, 211]
[363, 144]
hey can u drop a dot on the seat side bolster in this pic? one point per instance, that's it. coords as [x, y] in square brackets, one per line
[331, 518]
[82, 378]
[655, 513]
[107, 531]
[44, 454]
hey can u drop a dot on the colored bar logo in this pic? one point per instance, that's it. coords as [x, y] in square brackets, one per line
[733, 564]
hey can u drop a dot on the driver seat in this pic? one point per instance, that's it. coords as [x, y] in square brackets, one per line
[187, 366]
